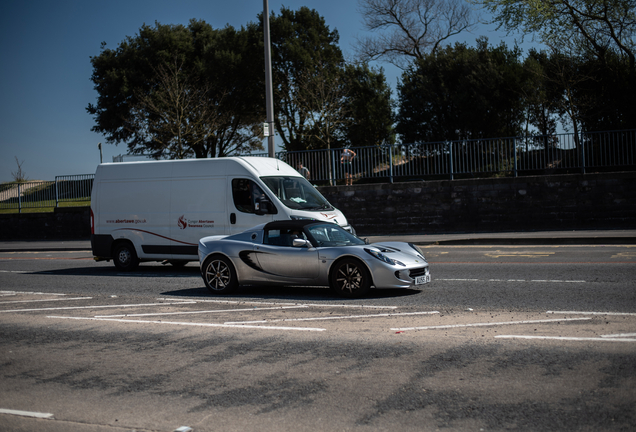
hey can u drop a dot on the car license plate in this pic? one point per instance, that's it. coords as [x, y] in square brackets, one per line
[420, 280]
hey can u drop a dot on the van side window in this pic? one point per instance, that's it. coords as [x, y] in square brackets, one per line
[246, 195]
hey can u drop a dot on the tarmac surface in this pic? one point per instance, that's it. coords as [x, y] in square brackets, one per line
[579, 237]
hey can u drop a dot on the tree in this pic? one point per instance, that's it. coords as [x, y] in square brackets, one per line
[462, 92]
[542, 94]
[163, 92]
[408, 29]
[321, 98]
[304, 51]
[597, 27]
[370, 108]
[19, 175]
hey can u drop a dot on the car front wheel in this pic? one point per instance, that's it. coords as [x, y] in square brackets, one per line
[350, 278]
[219, 275]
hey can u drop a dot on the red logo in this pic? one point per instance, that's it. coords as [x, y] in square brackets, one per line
[182, 222]
[328, 215]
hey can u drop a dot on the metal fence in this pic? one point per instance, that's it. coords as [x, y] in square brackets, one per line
[65, 191]
[531, 155]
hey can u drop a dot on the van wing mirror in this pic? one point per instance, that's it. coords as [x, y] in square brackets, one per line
[265, 206]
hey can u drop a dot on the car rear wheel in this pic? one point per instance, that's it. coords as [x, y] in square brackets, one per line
[350, 278]
[219, 275]
[125, 257]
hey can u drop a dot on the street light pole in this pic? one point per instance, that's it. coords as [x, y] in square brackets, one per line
[269, 97]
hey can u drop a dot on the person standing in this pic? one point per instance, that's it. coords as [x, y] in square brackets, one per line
[345, 159]
[303, 170]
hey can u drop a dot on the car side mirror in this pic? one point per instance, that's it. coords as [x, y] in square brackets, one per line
[298, 243]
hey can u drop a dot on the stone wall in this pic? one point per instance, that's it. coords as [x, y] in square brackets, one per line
[61, 224]
[556, 202]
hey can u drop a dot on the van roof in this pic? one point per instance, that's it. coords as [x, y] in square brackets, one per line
[236, 165]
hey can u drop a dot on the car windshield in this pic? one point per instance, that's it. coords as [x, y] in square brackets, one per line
[332, 235]
[296, 193]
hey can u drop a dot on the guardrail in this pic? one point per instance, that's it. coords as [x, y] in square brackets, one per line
[65, 191]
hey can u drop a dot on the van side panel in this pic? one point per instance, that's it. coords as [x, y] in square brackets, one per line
[136, 210]
[198, 209]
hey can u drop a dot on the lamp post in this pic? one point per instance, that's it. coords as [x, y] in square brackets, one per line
[269, 97]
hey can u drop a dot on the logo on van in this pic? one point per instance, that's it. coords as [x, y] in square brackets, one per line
[183, 224]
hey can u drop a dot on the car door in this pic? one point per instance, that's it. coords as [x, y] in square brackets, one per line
[244, 205]
[278, 257]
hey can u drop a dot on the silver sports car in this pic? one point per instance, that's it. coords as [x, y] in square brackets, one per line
[309, 253]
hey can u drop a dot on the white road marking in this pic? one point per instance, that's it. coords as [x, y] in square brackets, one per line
[619, 335]
[200, 312]
[513, 280]
[336, 317]
[191, 324]
[26, 413]
[292, 304]
[489, 324]
[45, 300]
[97, 307]
[591, 313]
[29, 292]
[567, 338]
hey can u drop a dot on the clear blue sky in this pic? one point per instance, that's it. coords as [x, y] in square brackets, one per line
[45, 50]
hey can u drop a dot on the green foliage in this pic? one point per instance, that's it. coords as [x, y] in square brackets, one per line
[163, 91]
[587, 27]
[370, 107]
[462, 93]
[303, 47]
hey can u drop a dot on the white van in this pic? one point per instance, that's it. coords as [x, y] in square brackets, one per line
[158, 211]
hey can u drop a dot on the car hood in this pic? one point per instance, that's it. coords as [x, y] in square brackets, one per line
[398, 251]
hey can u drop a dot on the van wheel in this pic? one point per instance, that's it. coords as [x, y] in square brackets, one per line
[350, 278]
[219, 275]
[125, 257]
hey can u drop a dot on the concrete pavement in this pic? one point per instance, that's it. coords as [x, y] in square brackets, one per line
[498, 238]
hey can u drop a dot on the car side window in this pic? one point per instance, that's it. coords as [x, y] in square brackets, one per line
[246, 195]
[282, 237]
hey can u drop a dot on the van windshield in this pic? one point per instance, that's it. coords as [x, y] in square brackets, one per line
[296, 193]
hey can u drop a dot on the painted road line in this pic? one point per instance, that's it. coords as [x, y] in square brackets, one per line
[26, 413]
[239, 302]
[29, 293]
[97, 307]
[45, 300]
[200, 312]
[567, 338]
[513, 280]
[449, 326]
[591, 313]
[191, 324]
[336, 317]
[619, 335]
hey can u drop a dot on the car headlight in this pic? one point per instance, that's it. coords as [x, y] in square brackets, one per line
[379, 255]
[418, 250]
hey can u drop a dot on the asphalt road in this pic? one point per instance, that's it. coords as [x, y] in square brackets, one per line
[523, 337]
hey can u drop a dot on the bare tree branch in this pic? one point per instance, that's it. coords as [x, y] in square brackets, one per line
[408, 29]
